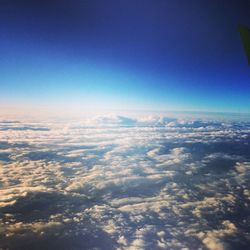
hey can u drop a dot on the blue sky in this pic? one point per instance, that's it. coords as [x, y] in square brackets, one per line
[141, 55]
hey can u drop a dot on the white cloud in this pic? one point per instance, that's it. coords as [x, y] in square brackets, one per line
[213, 239]
[144, 182]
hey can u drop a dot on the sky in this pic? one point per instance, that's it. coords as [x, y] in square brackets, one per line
[86, 55]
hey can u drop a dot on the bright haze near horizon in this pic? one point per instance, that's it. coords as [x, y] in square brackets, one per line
[79, 56]
[124, 125]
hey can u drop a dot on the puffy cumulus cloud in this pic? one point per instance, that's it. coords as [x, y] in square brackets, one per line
[117, 182]
[29, 228]
[213, 239]
[210, 205]
[175, 156]
[242, 167]
[114, 120]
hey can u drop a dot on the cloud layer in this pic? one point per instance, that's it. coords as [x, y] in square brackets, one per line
[125, 183]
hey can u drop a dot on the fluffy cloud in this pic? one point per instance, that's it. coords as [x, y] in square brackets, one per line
[124, 183]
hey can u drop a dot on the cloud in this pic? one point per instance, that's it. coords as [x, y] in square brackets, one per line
[24, 128]
[213, 239]
[242, 167]
[175, 156]
[124, 183]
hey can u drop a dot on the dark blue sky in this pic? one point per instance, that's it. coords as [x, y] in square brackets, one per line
[158, 54]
